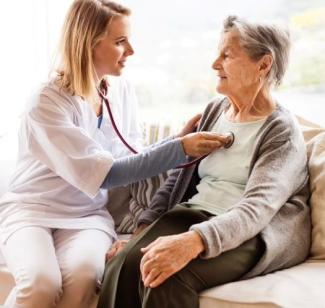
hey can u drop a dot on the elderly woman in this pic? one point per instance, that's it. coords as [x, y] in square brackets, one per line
[243, 210]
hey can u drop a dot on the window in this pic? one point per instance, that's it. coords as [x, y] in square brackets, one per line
[29, 31]
[175, 43]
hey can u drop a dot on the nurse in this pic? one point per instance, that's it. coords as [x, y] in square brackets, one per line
[54, 228]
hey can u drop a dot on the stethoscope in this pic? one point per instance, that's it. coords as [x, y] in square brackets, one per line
[230, 136]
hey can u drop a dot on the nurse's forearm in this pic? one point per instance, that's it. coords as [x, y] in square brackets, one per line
[137, 167]
[158, 143]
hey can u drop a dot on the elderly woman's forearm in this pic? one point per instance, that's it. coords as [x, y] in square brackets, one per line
[267, 190]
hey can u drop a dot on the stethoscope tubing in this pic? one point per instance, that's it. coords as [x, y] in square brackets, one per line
[117, 131]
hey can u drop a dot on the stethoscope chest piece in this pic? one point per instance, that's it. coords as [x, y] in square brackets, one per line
[231, 139]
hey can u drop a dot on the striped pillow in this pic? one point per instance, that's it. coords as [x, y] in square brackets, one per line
[141, 195]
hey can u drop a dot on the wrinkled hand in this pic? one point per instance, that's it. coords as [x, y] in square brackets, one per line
[190, 126]
[167, 255]
[202, 143]
[115, 249]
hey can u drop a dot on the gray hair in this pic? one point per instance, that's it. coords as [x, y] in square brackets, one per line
[261, 39]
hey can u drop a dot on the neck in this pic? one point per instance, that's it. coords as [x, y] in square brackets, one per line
[98, 76]
[250, 106]
[97, 106]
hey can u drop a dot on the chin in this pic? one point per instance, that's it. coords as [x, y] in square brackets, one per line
[220, 89]
[116, 73]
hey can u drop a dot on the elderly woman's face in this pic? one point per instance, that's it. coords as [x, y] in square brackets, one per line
[237, 73]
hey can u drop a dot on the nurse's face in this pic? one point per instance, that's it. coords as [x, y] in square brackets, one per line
[111, 52]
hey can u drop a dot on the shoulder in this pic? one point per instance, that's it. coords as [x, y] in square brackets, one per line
[50, 103]
[212, 111]
[282, 126]
[217, 103]
[57, 94]
[50, 96]
[282, 136]
[215, 106]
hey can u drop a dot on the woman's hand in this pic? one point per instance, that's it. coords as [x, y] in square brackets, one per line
[119, 245]
[190, 126]
[202, 143]
[115, 249]
[167, 255]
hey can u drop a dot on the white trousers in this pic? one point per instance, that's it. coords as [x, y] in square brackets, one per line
[55, 268]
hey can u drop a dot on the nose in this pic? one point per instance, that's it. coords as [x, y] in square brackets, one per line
[216, 65]
[129, 49]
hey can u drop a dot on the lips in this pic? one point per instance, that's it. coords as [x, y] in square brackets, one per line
[122, 63]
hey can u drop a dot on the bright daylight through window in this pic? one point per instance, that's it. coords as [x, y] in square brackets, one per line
[175, 43]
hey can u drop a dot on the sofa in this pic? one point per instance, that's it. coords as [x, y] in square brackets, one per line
[299, 286]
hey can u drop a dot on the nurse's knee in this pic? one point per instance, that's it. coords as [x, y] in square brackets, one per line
[40, 286]
[81, 284]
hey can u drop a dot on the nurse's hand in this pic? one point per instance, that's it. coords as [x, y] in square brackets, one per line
[119, 245]
[202, 143]
[115, 249]
[190, 126]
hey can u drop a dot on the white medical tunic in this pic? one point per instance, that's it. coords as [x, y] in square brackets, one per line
[63, 160]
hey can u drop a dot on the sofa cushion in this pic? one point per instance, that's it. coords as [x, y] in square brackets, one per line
[315, 140]
[118, 203]
[299, 286]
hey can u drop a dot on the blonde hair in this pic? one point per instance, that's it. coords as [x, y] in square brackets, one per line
[85, 25]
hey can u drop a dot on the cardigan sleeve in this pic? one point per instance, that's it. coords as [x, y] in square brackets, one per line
[279, 172]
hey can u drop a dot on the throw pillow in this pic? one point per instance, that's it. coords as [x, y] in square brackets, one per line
[141, 195]
[315, 141]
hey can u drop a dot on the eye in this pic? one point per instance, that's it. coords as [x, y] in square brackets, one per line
[120, 42]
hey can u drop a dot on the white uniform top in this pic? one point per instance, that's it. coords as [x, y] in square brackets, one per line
[63, 160]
